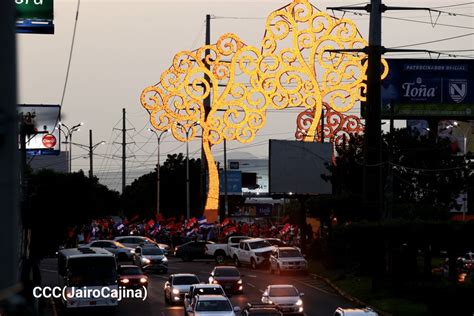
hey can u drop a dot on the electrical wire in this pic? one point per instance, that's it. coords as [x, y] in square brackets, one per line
[435, 41]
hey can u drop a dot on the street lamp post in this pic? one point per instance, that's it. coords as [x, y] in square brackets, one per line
[465, 133]
[158, 136]
[187, 130]
[69, 133]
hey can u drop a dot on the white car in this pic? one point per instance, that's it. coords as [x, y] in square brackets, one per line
[286, 259]
[255, 252]
[212, 305]
[201, 289]
[355, 312]
[287, 297]
[178, 286]
[135, 241]
[119, 250]
[221, 251]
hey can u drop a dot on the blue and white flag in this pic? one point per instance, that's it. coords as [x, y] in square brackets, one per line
[202, 220]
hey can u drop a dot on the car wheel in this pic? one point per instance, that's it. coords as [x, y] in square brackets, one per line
[236, 261]
[253, 264]
[219, 257]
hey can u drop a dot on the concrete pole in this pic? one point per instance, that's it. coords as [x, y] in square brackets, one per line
[9, 155]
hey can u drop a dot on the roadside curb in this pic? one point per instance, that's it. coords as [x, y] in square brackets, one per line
[347, 296]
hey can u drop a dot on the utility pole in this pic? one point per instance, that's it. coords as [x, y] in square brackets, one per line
[207, 109]
[91, 160]
[9, 160]
[322, 126]
[226, 198]
[124, 149]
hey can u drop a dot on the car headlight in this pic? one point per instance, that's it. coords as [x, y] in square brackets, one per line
[165, 259]
[132, 251]
[143, 280]
[145, 260]
[299, 302]
[239, 282]
[175, 291]
[125, 281]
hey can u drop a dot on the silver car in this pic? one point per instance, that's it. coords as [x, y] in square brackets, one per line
[211, 305]
[119, 250]
[286, 297]
[287, 259]
[135, 241]
[178, 286]
[151, 258]
[200, 289]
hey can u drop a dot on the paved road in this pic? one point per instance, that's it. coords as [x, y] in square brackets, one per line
[319, 299]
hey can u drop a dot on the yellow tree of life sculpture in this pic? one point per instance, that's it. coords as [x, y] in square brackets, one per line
[292, 68]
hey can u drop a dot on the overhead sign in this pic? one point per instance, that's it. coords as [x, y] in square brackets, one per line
[423, 88]
[34, 16]
[42, 136]
[234, 182]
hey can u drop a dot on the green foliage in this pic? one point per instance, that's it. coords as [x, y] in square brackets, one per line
[140, 197]
[58, 200]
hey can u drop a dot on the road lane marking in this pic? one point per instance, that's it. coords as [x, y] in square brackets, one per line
[314, 287]
[251, 285]
[50, 271]
[251, 276]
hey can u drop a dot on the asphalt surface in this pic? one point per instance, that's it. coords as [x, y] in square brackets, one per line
[318, 299]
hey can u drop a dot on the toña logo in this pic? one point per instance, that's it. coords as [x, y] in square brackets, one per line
[457, 89]
[418, 89]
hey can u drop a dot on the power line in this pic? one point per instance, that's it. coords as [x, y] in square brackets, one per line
[435, 41]
[454, 5]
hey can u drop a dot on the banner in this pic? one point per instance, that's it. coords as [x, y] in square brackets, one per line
[34, 16]
[423, 88]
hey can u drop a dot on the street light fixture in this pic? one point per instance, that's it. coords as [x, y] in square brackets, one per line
[187, 130]
[158, 137]
[68, 135]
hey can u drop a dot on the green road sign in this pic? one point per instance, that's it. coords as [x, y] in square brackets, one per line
[34, 9]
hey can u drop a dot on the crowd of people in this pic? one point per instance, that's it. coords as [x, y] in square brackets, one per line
[173, 231]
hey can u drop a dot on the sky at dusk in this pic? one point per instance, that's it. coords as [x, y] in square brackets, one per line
[123, 46]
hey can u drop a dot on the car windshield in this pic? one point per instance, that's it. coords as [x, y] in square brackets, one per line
[152, 251]
[130, 271]
[92, 271]
[290, 253]
[209, 291]
[283, 291]
[183, 280]
[213, 306]
[259, 244]
[226, 272]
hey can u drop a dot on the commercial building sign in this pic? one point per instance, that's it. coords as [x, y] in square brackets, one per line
[40, 123]
[34, 16]
[423, 88]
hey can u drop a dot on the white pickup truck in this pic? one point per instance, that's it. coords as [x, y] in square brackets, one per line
[221, 251]
[254, 251]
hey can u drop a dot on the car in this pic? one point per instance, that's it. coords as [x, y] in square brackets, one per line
[201, 289]
[151, 258]
[260, 309]
[131, 276]
[355, 312]
[276, 242]
[192, 250]
[286, 296]
[207, 305]
[228, 277]
[222, 251]
[120, 251]
[135, 241]
[286, 259]
[255, 252]
[178, 286]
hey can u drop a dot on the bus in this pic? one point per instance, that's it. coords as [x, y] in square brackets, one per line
[86, 272]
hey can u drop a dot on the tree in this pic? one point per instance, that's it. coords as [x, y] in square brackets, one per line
[427, 177]
[140, 197]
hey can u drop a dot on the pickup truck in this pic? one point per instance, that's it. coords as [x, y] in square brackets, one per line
[221, 251]
[254, 251]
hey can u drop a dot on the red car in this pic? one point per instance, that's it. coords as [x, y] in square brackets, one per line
[228, 277]
[132, 276]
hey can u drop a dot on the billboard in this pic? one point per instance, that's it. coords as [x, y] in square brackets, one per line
[421, 88]
[234, 182]
[297, 167]
[42, 136]
[34, 16]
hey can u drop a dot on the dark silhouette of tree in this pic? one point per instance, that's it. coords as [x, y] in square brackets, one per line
[140, 197]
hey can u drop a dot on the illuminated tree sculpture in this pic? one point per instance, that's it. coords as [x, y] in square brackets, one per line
[293, 68]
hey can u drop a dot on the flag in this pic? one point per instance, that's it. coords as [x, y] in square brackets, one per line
[225, 222]
[120, 227]
[149, 224]
[285, 229]
[191, 222]
[202, 220]
[159, 217]
[230, 230]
